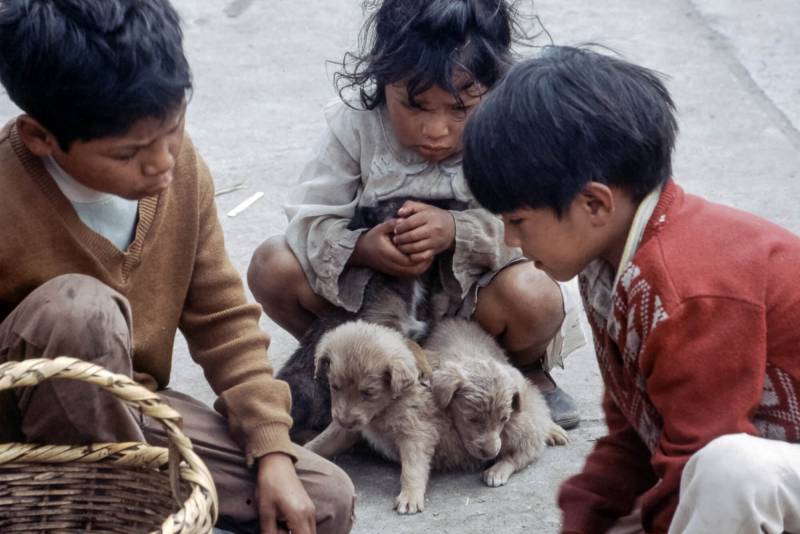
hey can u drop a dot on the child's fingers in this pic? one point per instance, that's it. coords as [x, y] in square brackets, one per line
[416, 247]
[410, 236]
[410, 207]
[409, 223]
[393, 256]
[415, 269]
[425, 255]
[387, 227]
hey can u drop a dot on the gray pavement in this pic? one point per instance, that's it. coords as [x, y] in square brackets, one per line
[261, 81]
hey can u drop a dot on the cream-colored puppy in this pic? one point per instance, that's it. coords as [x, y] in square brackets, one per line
[496, 412]
[377, 392]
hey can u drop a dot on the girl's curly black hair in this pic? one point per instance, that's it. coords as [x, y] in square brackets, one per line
[426, 43]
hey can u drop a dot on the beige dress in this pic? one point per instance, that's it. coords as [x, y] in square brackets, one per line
[359, 162]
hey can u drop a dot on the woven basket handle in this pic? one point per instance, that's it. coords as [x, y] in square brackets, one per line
[31, 372]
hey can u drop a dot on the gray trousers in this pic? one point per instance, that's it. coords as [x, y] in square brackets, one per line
[76, 315]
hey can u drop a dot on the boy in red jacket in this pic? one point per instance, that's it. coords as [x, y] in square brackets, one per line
[693, 306]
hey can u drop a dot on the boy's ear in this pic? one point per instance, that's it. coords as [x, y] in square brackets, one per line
[36, 137]
[598, 202]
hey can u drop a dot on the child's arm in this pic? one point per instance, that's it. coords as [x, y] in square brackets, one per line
[704, 368]
[616, 472]
[224, 337]
[322, 206]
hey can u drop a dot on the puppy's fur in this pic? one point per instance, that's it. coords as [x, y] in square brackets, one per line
[399, 303]
[496, 412]
[376, 393]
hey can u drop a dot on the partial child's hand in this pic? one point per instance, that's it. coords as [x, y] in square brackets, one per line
[424, 230]
[282, 497]
[375, 249]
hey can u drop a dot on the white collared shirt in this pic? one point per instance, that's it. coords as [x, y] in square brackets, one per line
[110, 216]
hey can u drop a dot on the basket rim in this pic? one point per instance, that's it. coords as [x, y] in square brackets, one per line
[182, 462]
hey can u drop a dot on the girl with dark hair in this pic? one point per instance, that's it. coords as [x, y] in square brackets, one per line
[422, 68]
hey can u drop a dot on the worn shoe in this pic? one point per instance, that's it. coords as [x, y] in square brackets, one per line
[563, 408]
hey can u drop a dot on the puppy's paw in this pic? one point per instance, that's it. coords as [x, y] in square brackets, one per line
[498, 474]
[409, 502]
[556, 436]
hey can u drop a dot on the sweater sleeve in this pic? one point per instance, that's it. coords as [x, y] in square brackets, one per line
[616, 472]
[704, 370]
[224, 337]
[321, 206]
[479, 246]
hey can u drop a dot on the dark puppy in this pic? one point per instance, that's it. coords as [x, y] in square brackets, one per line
[394, 302]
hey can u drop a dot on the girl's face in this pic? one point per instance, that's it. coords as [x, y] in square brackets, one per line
[433, 124]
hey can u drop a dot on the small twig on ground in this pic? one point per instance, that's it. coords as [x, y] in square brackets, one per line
[231, 189]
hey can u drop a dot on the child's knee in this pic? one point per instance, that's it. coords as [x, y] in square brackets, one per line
[730, 465]
[736, 483]
[76, 315]
[273, 265]
[336, 512]
[528, 294]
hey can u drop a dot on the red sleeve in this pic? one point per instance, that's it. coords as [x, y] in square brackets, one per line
[616, 472]
[704, 371]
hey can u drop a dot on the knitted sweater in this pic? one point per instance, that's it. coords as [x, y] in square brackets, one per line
[176, 274]
[699, 338]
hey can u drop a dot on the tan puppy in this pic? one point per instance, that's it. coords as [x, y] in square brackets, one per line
[496, 412]
[377, 393]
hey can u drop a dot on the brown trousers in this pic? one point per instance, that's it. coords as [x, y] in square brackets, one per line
[77, 315]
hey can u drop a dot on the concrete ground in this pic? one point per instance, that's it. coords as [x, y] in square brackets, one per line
[261, 80]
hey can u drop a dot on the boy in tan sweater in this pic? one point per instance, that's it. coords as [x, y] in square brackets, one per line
[111, 242]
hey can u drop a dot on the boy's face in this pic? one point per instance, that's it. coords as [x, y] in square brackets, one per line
[560, 247]
[433, 127]
[134, 165]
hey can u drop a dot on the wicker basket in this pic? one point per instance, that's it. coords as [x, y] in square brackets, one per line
[106, 487]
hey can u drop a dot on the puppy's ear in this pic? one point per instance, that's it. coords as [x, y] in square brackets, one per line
[421, 358]
[445, 383]
[515, 402]
[400, 376]
[322, 363]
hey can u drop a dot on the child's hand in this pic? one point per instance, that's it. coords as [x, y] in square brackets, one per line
[424, 230]
[374, 249]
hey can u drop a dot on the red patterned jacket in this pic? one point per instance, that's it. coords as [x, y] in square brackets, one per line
[700, 338]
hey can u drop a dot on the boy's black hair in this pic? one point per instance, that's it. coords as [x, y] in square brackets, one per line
[426, 42]
[87, 69]
[564, 119]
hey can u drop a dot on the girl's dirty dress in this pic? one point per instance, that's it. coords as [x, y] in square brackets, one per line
[359, 163]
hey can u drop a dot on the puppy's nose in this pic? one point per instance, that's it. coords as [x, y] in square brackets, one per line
[487, 453]
[348, 424]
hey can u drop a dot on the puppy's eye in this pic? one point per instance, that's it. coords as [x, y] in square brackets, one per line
[335, 387]
[367, 394]
[475, 420]
[505, 419]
